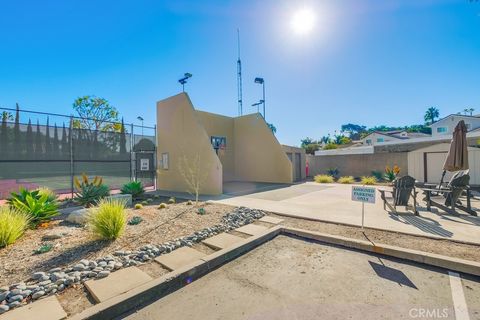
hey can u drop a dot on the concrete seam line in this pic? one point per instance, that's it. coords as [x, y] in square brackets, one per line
[375, 228]
[459, 303]
[173, 280]
[461, 265]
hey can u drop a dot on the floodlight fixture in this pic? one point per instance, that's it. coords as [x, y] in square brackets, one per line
[261, 81]
[183, 80]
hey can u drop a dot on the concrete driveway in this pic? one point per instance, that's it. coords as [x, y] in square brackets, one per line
[332, 203]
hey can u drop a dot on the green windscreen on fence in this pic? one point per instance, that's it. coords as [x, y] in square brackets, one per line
[34, 155]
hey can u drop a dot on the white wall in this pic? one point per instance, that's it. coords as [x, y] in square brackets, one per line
[434, 170]
[451, 121]
[375, 136]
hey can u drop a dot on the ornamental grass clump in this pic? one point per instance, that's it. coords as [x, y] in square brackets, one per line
[369, 181]
[346, 180]
[109, 219]
[324, 178]
[13, 224]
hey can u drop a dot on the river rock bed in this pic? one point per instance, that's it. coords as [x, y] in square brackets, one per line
[45, 283]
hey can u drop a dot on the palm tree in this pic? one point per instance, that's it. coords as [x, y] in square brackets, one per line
[431, 114]
[471, 111]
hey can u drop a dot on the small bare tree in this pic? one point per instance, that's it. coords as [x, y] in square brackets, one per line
[191, 170]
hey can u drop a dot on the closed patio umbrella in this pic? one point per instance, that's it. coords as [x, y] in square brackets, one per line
[457, 158]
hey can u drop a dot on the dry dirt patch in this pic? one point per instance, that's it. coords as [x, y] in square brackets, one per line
[18, 262]
[443, 247]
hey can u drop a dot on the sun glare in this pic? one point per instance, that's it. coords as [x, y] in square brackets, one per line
[303, 21]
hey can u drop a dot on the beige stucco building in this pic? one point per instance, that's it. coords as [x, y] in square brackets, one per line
[197, 146]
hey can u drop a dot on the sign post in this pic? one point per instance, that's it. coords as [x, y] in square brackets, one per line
[363, 194]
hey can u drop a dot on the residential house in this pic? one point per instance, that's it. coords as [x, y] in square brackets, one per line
[379, 137]
[447, 124]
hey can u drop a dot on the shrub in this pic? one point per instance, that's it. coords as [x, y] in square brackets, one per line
[135, 220]
[90, 193]
[138, 206]
[346, 180]
[162, 205]
[378, 175]
[330, 146]
[44, 248]
[334, 172]
[109, 219]
[189, 202]
[324, 178]
[391, 173]
[38, 207]
[13, 224]
[369, 180]
[172, 200]
[144, 203]
[135, 188]
[149, 200]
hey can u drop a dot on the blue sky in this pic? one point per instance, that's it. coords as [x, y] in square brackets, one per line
[368, 62]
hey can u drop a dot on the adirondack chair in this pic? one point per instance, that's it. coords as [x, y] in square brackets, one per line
[403, 189]
[451, 193]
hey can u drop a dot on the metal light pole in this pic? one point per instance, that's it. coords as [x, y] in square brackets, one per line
[183, 80]
[262, 82]
[140, 119]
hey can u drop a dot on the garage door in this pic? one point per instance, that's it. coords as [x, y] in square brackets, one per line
[434, 167]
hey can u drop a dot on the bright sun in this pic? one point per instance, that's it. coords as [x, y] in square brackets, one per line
[303, 21]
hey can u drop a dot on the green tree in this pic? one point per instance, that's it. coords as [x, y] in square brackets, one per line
[95, 114]
[38, 143]
[16, 130]
[305, 142]
[353, 130]
[123, 139]
[29, 140]
[325, 139]
[272, 127]
[7, 116]
[431, 114]
[311, 148]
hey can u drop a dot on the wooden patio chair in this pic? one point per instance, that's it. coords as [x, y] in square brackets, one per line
[403, 189]
[458, 185]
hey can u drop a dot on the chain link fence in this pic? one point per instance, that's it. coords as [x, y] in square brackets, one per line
[45, 150]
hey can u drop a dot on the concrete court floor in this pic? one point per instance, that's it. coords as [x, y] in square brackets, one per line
[289, 278]
[332, 202]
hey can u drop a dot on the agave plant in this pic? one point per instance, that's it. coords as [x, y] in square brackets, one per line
[135, 188]
[39, 206]
[88, 192]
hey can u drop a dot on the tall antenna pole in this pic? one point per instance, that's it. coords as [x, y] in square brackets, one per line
[239, 77]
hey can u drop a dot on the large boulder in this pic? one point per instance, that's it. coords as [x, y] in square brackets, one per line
[78, 216]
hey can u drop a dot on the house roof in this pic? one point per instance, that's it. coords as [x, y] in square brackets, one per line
[456, 115]
[395, 134]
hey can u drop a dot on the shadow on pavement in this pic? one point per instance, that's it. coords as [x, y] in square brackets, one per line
[392, 274]
[425, 224]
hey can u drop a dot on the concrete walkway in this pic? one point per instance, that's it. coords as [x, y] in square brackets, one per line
[332, 203]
